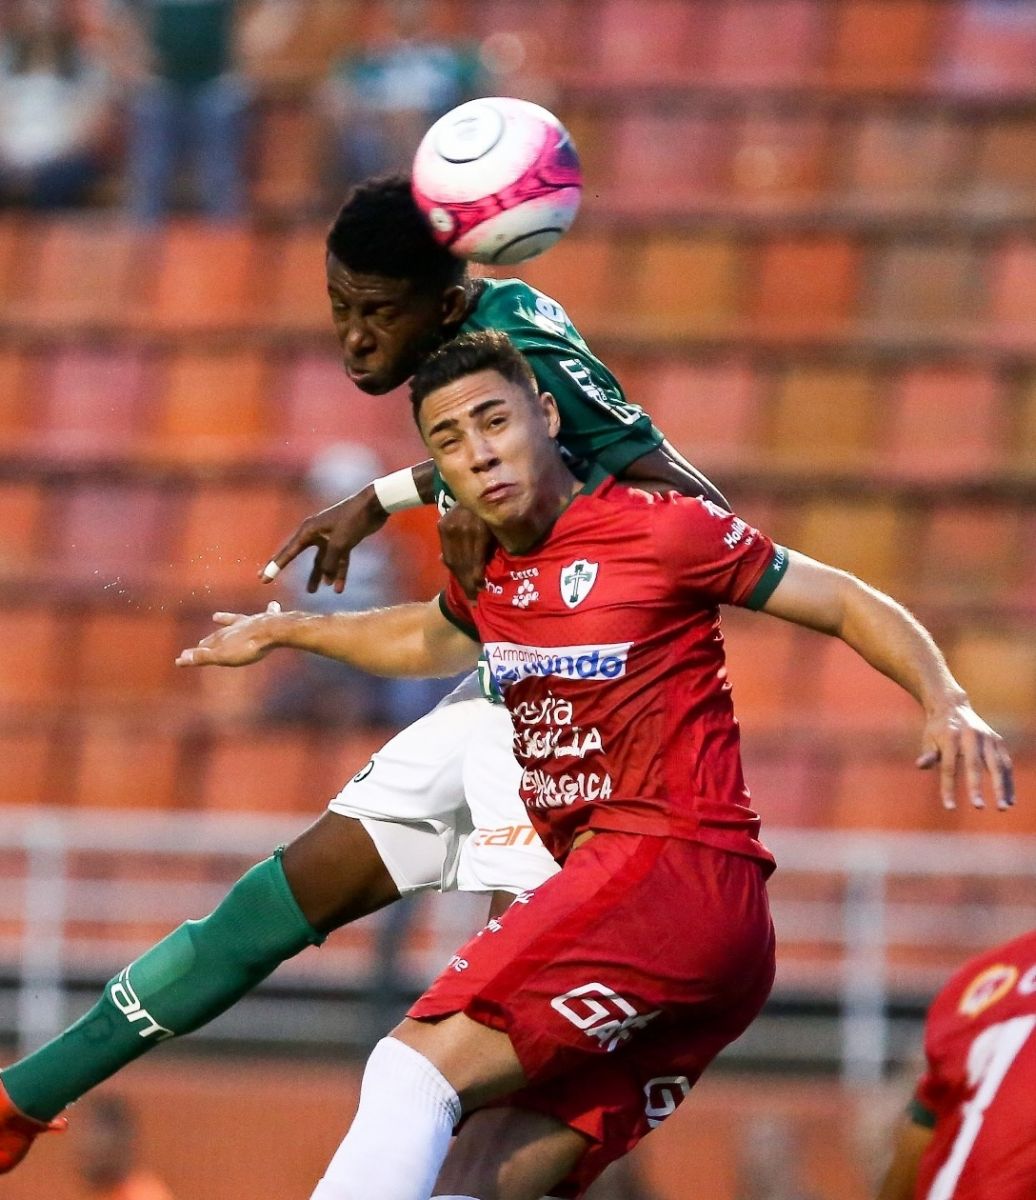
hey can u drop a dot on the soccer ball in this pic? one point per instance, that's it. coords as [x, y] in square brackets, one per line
[498, 180]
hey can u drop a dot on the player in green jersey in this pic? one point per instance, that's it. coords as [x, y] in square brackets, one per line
[406, 822]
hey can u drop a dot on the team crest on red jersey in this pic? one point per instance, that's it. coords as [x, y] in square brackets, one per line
[576, 581]
[987, 988]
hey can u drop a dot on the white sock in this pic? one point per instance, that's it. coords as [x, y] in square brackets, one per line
[400, 1134]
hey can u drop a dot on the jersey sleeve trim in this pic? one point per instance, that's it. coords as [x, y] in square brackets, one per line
[920, 1114]
[770, 578]
[464, 626]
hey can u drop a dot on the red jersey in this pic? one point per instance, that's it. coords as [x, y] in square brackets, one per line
[604, 641]
[978, 1091]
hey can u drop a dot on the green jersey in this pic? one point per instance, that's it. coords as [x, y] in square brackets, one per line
[598, 424]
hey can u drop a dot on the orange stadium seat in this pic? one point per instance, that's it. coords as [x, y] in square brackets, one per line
[709, 410]
[288, 156]
[112, 534]
[683, 284]
[661, 161]
[780, 156]
[317, 404]
[1004, 169]
[123, 658]
[964, 405]
[12, 226]
[997, 667]
[92, 401]
[851, 695]
[1023, 444]
[824, 418]
[1013, 293]
[121, 765]
[659, 41]
[22, 544]
[296, 300]
[224, 535]
[865, 536]
[209, 407]
[18, 389]
[201, 280]
[914, 285]
[988, 48]
[86, 271]
[790, 787]
[34, 664]
[806, 285]
[586, 273]
[880, 45]
[264, 769]
[28, 766]
[761, 668]
[971, 554]
[766, 43]
[896, 159]
[415, 543]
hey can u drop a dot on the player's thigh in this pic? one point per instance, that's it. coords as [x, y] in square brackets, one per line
[503, 852]
[509, 1154]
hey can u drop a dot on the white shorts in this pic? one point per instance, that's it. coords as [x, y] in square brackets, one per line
[440, 802]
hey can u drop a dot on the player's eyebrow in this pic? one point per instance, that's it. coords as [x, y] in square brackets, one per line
[476, 411]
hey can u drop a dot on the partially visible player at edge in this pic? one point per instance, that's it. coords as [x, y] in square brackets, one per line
[652, 948]
[970, 1130]
[404, 824]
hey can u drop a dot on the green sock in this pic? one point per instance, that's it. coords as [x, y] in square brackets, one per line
[188, 978]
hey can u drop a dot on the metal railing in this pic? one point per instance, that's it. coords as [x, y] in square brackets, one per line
[865, 923]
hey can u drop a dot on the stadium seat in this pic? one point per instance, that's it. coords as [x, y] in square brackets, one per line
[22, 507]
[915, 285]
[585, 272]
[791, 787]
[781, 158]
[1004, 168]
[1023, 444]
[111, 534]
[888, 793]
[295, 284]
[92, 402]
[12, 226]
[997, 667]
[660, 41]
[851, 696]
[289, 153]
[946, 422]
[682, 286]
[34, 664]
[124, 765]
[209, 408]
[902, 159]
[225, 533]
[865, 536]
[85, 274]
[415, 543]
[971, 554]
[806, 285]
[761, 669]
[988, 48]
[766, 43]
[883, 46]
[18, 387]
[265, 769]
[1013, 293]
[824, 418]
[662, 161]
[123, 658]
[29, 766]
[201, 280]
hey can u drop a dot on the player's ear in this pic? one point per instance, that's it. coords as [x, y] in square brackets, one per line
[454, 304]
[550, 411]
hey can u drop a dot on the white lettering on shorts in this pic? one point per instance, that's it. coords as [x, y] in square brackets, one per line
[601, 1013]
[664, 1096]
[127, 1002]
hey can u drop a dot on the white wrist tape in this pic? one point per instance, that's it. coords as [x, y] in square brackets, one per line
[397, 491]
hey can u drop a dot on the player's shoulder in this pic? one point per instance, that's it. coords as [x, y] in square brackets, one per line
[521, 311]
[989, 982]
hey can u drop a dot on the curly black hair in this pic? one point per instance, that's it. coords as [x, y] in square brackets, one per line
[379, 230]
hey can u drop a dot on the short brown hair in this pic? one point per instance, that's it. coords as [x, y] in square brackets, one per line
[468, 354]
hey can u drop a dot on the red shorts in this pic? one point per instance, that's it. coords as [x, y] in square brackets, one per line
[618, 981]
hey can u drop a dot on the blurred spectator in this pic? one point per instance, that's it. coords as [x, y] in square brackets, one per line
[56, 107]
[185, 65]
[380, 100]
[314, 690]
[107, 1153]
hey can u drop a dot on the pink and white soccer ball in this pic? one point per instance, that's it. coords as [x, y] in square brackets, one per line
[498, 179]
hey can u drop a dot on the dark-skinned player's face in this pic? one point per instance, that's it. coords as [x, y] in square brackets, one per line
[385, 326]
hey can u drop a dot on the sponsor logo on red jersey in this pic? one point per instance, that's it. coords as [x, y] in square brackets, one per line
[510, 663]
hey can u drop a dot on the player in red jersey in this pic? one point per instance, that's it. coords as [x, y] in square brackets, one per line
[595, 1003]
[970, 1130]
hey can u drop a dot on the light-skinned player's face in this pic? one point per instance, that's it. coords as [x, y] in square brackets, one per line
[386, 326]
[494, 446]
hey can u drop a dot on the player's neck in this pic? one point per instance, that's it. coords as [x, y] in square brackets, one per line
[554, 493]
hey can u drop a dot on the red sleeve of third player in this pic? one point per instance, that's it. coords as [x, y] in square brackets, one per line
[714, 554]
[456, 608]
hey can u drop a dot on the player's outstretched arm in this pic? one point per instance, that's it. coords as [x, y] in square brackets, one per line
[901, 1178]
[896, 644]
[336, 531]
[405, 640]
